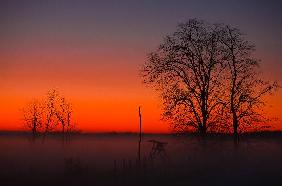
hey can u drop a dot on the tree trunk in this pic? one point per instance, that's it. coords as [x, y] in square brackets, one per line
[34, 125]
[34, 131]
[203, 129]
[63, 129]
[235, 128]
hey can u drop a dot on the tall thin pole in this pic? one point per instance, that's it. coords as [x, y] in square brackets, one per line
[140, 124]
[140, 136]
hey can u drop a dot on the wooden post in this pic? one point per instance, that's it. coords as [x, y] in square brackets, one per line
[140, 137]
[140, 124]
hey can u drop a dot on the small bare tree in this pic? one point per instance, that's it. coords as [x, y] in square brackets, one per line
[64, 114]
[50, 110]
[33, 116]
[68, 113]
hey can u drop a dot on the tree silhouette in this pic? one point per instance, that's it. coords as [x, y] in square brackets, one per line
[52, 112]
[246, 86]
[33, 116]
[208, 78]
[64, 113]
[187, 70]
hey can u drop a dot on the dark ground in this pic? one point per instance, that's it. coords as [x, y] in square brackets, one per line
[113, 159]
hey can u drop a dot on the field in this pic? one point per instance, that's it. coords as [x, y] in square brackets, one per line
[117, 159]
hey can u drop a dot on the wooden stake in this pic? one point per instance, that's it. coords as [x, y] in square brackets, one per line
[140, 124]
[140, 136]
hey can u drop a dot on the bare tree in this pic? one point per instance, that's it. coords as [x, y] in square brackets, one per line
[64, 114]
[59, 112]
[50, 110]
[187, 70]
[68, 113]
[208, 78]
[32, 114]
[246, 87]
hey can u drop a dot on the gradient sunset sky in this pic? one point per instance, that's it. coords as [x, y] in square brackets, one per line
[91, 52]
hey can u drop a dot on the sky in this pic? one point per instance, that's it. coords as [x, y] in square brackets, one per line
[91, 51]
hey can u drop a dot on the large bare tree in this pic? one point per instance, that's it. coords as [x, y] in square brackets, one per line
[208, 78]
[187, 70]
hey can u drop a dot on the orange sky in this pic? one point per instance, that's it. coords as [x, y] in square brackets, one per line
[105, 97]
[91, 52]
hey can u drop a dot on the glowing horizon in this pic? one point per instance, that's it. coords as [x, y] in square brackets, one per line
[92, 53]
